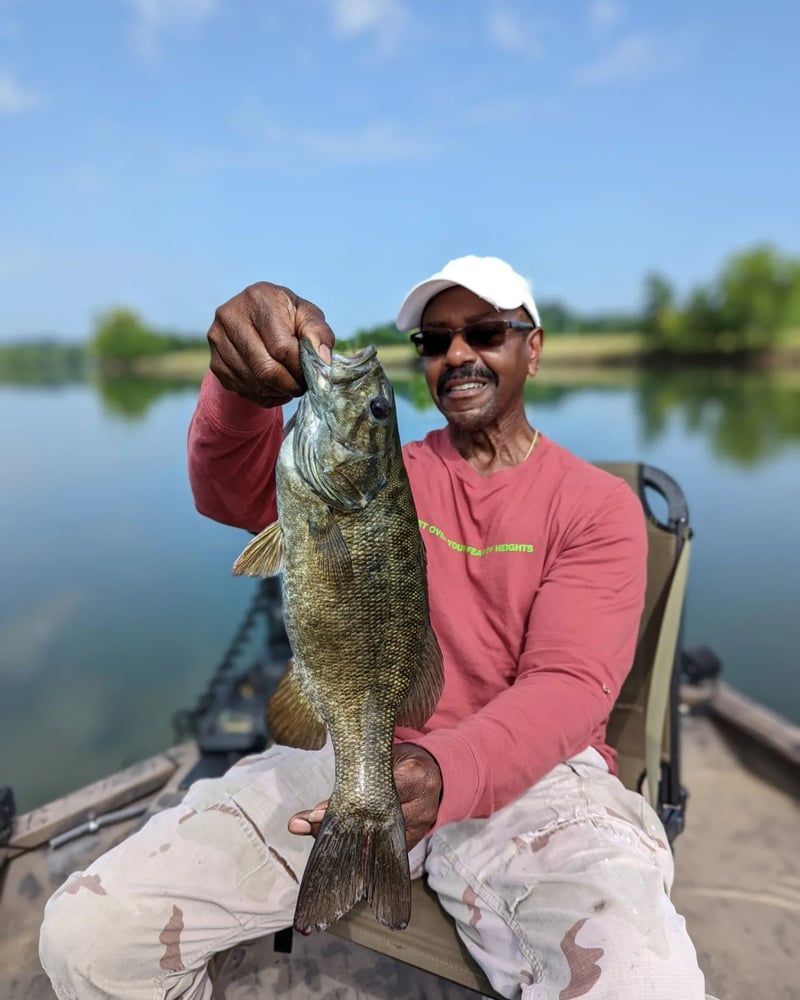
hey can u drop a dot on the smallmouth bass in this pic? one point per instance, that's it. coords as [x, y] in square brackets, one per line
[356, 606]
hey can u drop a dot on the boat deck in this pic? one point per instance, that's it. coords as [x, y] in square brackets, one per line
[738, 885]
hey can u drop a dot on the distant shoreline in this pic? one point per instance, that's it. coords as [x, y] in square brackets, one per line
[565, 353]
[603, 358]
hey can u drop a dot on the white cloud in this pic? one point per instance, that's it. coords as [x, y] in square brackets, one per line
[603, 13]
[370, 142]
[255, 121]
[498, 112]
[15, 98]
[632, 58]
[26, 642]
[156, 16]
[378, 142]
[505, 30]
[509, 33]
[383, 20]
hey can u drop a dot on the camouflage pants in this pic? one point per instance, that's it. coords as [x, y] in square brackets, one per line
[562, 894]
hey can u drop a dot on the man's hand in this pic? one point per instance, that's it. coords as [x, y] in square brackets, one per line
[254, 342]
[419, 786]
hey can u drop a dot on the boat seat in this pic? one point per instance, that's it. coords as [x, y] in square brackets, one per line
[643, 729]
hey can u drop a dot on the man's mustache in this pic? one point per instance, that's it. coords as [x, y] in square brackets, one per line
[464, 372]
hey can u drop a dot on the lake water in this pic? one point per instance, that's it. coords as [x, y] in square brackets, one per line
[117, 600]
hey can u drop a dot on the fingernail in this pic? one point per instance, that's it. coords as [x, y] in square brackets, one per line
[316, 815]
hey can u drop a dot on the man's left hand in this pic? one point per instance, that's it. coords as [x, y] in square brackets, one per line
[419, 787]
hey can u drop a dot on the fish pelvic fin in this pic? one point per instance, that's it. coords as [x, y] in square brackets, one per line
[333, 555]
[421, 700]
[291, 717]
[263, 556]
[351, 861]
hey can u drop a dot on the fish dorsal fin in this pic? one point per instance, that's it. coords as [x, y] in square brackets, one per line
[328, 542]
[291, 718]
[424, 695]
[263, 556]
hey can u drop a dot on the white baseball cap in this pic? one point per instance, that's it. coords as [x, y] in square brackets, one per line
[488, 277]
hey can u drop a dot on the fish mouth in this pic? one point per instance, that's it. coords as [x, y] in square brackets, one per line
[345, 373]
[328, 455]
[342, 370]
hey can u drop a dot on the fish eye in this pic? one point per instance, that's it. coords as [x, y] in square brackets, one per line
[379, 407]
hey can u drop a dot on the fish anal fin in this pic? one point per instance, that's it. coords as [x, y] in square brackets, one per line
[421, 700]
[333, 555]
[263, 556]
[291, 718]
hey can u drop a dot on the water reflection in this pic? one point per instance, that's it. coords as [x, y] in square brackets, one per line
[414, 390]
[746, 417]
[132, 397]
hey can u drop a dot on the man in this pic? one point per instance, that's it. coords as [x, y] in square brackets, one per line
[557, 876]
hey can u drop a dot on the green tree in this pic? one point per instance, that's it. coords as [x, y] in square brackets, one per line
[792, 303]
[555, 317]
[759, 293]
[747, 308]
[44, 361]
[661, 322]
[119, 335]
[385, 333]
[701, 323]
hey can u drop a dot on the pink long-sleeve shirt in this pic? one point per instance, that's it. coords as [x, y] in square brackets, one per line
[536, 580]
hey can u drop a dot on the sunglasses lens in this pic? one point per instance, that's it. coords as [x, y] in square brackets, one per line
[431, 344]
[485, 334]
[434, 343]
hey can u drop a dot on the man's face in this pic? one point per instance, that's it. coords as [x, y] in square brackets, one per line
[476, 388]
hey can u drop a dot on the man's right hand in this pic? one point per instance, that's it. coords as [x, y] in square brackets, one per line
[254, 342]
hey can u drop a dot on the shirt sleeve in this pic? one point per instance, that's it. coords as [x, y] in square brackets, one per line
[579, 647]
[233, 445]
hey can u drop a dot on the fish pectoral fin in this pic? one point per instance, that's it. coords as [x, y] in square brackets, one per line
[263, 556]
[331, 549]
[291, 718]
[424, 695]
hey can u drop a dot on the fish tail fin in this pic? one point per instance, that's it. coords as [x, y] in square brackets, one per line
[351, 861]
[389, 880]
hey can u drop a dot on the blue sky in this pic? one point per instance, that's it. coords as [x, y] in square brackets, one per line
[165, 153]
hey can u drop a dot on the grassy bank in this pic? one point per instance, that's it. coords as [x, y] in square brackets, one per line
[180, 364]
[564, 349]
[564, 353]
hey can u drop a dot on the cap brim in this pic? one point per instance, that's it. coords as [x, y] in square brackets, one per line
[410, 314]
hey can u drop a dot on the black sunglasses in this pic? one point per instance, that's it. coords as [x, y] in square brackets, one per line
[489, 333]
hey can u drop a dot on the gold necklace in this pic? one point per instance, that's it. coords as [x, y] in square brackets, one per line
[532, 445]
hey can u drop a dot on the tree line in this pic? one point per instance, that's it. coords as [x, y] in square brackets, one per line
[749, 307]
[120, 336]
